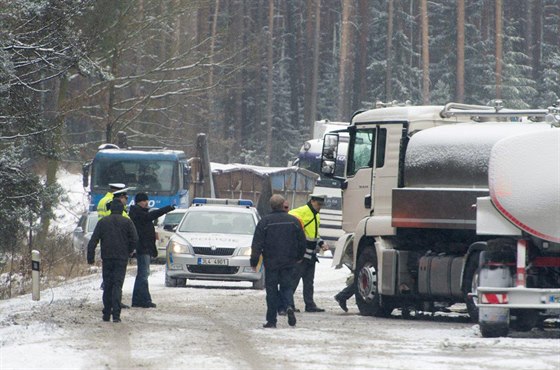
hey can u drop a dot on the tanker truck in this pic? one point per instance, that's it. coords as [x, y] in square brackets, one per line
[452, 204]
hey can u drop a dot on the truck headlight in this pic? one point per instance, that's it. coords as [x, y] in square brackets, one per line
[179, 248]
[244, 251]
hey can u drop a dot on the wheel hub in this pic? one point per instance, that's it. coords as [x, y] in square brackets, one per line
[367, 282]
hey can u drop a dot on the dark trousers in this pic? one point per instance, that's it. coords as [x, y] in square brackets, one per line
[114, 271]
[306, 272]
[141, 293]
[346, 293]
[279, 289]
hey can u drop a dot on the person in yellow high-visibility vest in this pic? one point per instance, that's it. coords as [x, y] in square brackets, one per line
[308, 215]
[103, 207]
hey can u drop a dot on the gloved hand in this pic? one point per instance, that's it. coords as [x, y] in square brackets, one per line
[90, 262]
[154, 252]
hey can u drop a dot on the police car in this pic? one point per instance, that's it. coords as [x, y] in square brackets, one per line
[213, 242]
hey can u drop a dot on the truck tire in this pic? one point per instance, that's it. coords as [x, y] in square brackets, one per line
[367, 294]
[470, 284]
[493, 330]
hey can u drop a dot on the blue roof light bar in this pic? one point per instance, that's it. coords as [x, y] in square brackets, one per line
[221, 201]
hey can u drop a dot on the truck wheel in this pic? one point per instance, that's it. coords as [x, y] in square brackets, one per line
[367, 294]
[470, 284]
[493, 330]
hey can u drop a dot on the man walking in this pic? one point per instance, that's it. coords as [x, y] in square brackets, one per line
[146, 248]
[118, 239]
[308, 215]
[280, 240]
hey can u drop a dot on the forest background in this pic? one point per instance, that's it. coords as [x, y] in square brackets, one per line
[252, 74]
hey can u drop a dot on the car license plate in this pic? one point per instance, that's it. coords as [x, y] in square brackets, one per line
[213, 261]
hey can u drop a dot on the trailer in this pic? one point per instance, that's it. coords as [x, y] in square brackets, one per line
[257, 183]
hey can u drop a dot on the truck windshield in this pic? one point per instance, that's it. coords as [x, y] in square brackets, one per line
[145, 175]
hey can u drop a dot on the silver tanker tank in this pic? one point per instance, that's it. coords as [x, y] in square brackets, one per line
[446, 170]
[457, 155]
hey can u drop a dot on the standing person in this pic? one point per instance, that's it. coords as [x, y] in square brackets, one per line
[280, 240]
[118, 239]
[308, 215]
[146, 248]
[117, 191]
[103, 206]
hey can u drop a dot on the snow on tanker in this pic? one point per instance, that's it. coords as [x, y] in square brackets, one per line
[450, 204]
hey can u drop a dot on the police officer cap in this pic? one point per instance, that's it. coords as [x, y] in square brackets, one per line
[318, 197]
[120, 192]
[117, 186]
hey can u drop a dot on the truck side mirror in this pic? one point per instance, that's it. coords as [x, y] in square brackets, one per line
[329, 154]
[186, 175]
[85, 174]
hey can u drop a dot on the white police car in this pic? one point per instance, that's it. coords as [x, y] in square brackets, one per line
[213, 242]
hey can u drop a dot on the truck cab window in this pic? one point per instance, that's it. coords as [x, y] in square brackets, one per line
[360, 152]
[361, 149]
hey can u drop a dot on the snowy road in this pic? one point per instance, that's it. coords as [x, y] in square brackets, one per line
[207, 325]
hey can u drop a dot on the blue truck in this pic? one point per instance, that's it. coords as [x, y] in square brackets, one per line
[161, 173]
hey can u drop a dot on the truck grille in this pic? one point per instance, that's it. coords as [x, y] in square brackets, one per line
[208, 269]
[207, 251]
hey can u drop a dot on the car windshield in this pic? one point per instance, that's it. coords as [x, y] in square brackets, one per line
[218, 222]
[173, 218]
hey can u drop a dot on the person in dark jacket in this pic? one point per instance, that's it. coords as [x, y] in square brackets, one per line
[146, 248]
[280, 240]
[118, 239]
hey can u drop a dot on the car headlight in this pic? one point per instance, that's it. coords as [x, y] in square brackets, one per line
[175, 246]
[244, 251]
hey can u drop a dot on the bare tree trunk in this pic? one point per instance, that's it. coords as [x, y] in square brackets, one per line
[315, 69]
[485, 22]
[237, 28]
[311, 63]
[291, 32]
[389, 52]
[213, 43]
[111, 101]
[499, 49]
[269, 93]
[346, 61]
[52, 163]
[360, 79]
[538, 34]
[425, 53]
[460, 84]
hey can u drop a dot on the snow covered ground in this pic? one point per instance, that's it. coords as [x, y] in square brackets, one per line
[218, 325]
[215, 325]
